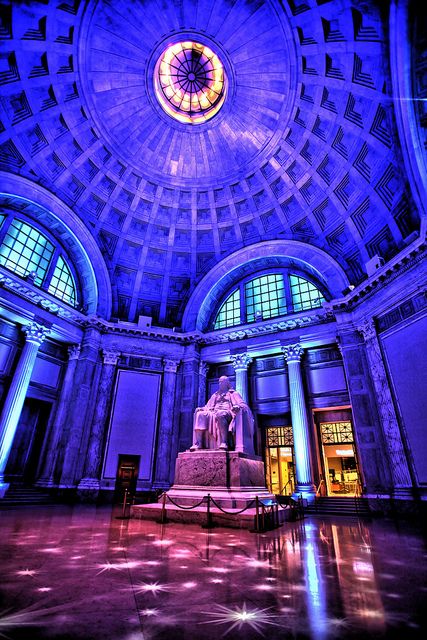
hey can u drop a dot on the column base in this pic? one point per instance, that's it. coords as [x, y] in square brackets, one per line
[306, 491]
[88, 489]
[45, 483]
[403, 493]
[4, 486]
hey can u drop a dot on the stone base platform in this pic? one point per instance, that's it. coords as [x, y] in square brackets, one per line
[232, 479]
[245, 520]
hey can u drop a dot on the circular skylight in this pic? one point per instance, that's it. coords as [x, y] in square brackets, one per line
[190, 82]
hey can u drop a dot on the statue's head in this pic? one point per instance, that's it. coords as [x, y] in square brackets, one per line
[224, 383]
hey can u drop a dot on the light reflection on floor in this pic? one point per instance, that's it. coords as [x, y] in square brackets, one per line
[81, 573]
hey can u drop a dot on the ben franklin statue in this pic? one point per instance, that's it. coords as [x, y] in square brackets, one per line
[224, 422]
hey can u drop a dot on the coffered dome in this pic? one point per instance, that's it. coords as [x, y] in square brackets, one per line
[286, 132]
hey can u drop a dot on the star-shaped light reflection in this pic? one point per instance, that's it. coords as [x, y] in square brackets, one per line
[117, 566]
[239, 617]
[151, 587]
[149, 612]
[26, 572]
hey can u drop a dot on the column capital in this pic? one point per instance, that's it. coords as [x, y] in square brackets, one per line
[170, 366]
[74, 351]
[240, 361]
[293, 352]
[203, 368]
[367, 329]
[110, 356]
[35, 333]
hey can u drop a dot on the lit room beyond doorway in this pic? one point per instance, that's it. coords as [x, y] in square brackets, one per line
[339, 458]
[279, 459]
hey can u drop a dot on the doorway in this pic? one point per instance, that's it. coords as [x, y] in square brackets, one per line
[127, 475]
[279, 458]
[339, 457]
[24, 458]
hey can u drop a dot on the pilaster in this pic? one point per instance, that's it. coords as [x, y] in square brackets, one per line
[166, 425]
[90, 481]
[401, 476]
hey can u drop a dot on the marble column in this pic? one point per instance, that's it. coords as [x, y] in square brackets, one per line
[203, 372]
[241, 363]
[35, 334]
[166, 426]
[300, 425]
[92, 469]
[401, 476]
[82, 406]
[244, 440]
[48, 477]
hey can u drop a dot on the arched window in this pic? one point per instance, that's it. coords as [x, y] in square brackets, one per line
[269, 295]
[30, 253]
[229, 313]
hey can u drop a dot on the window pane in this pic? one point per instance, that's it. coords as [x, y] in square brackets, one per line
[62, 284]
[229, 313]
[265, 297]
[304, 294]
[23, 248]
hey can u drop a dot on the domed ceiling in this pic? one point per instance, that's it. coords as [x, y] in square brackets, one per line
[303, 145]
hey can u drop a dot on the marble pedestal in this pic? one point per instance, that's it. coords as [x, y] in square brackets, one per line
[232, 478]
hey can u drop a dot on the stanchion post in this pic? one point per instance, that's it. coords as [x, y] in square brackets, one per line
[208, 513]
[163, 516]
[262, 516]
[257, 514]
[124, 503]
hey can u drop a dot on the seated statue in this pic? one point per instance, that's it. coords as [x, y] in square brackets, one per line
[224, 422]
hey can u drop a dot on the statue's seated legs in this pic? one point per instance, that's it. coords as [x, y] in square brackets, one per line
[201, 425]
[223, 419]
[202, 419]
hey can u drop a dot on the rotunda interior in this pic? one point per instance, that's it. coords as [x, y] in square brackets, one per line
[201, 188]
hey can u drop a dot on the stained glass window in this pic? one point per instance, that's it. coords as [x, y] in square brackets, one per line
[304, 294]
[25, 249]
[265, 297]
[62, 284]
[336, 432]
[229, 313]
[189, 81]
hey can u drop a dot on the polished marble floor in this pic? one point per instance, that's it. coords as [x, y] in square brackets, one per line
[83, 573]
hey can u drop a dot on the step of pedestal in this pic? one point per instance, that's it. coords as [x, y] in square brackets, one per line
[198, 515]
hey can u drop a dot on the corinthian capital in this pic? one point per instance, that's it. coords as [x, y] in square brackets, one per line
[110, 356]
[293, 352]
[203, 368]
[74, 352]
[240, 361]
[367, 329]
[35, 333]
[170, 366]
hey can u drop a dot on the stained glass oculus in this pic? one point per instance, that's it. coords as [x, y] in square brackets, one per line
[190, 82]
